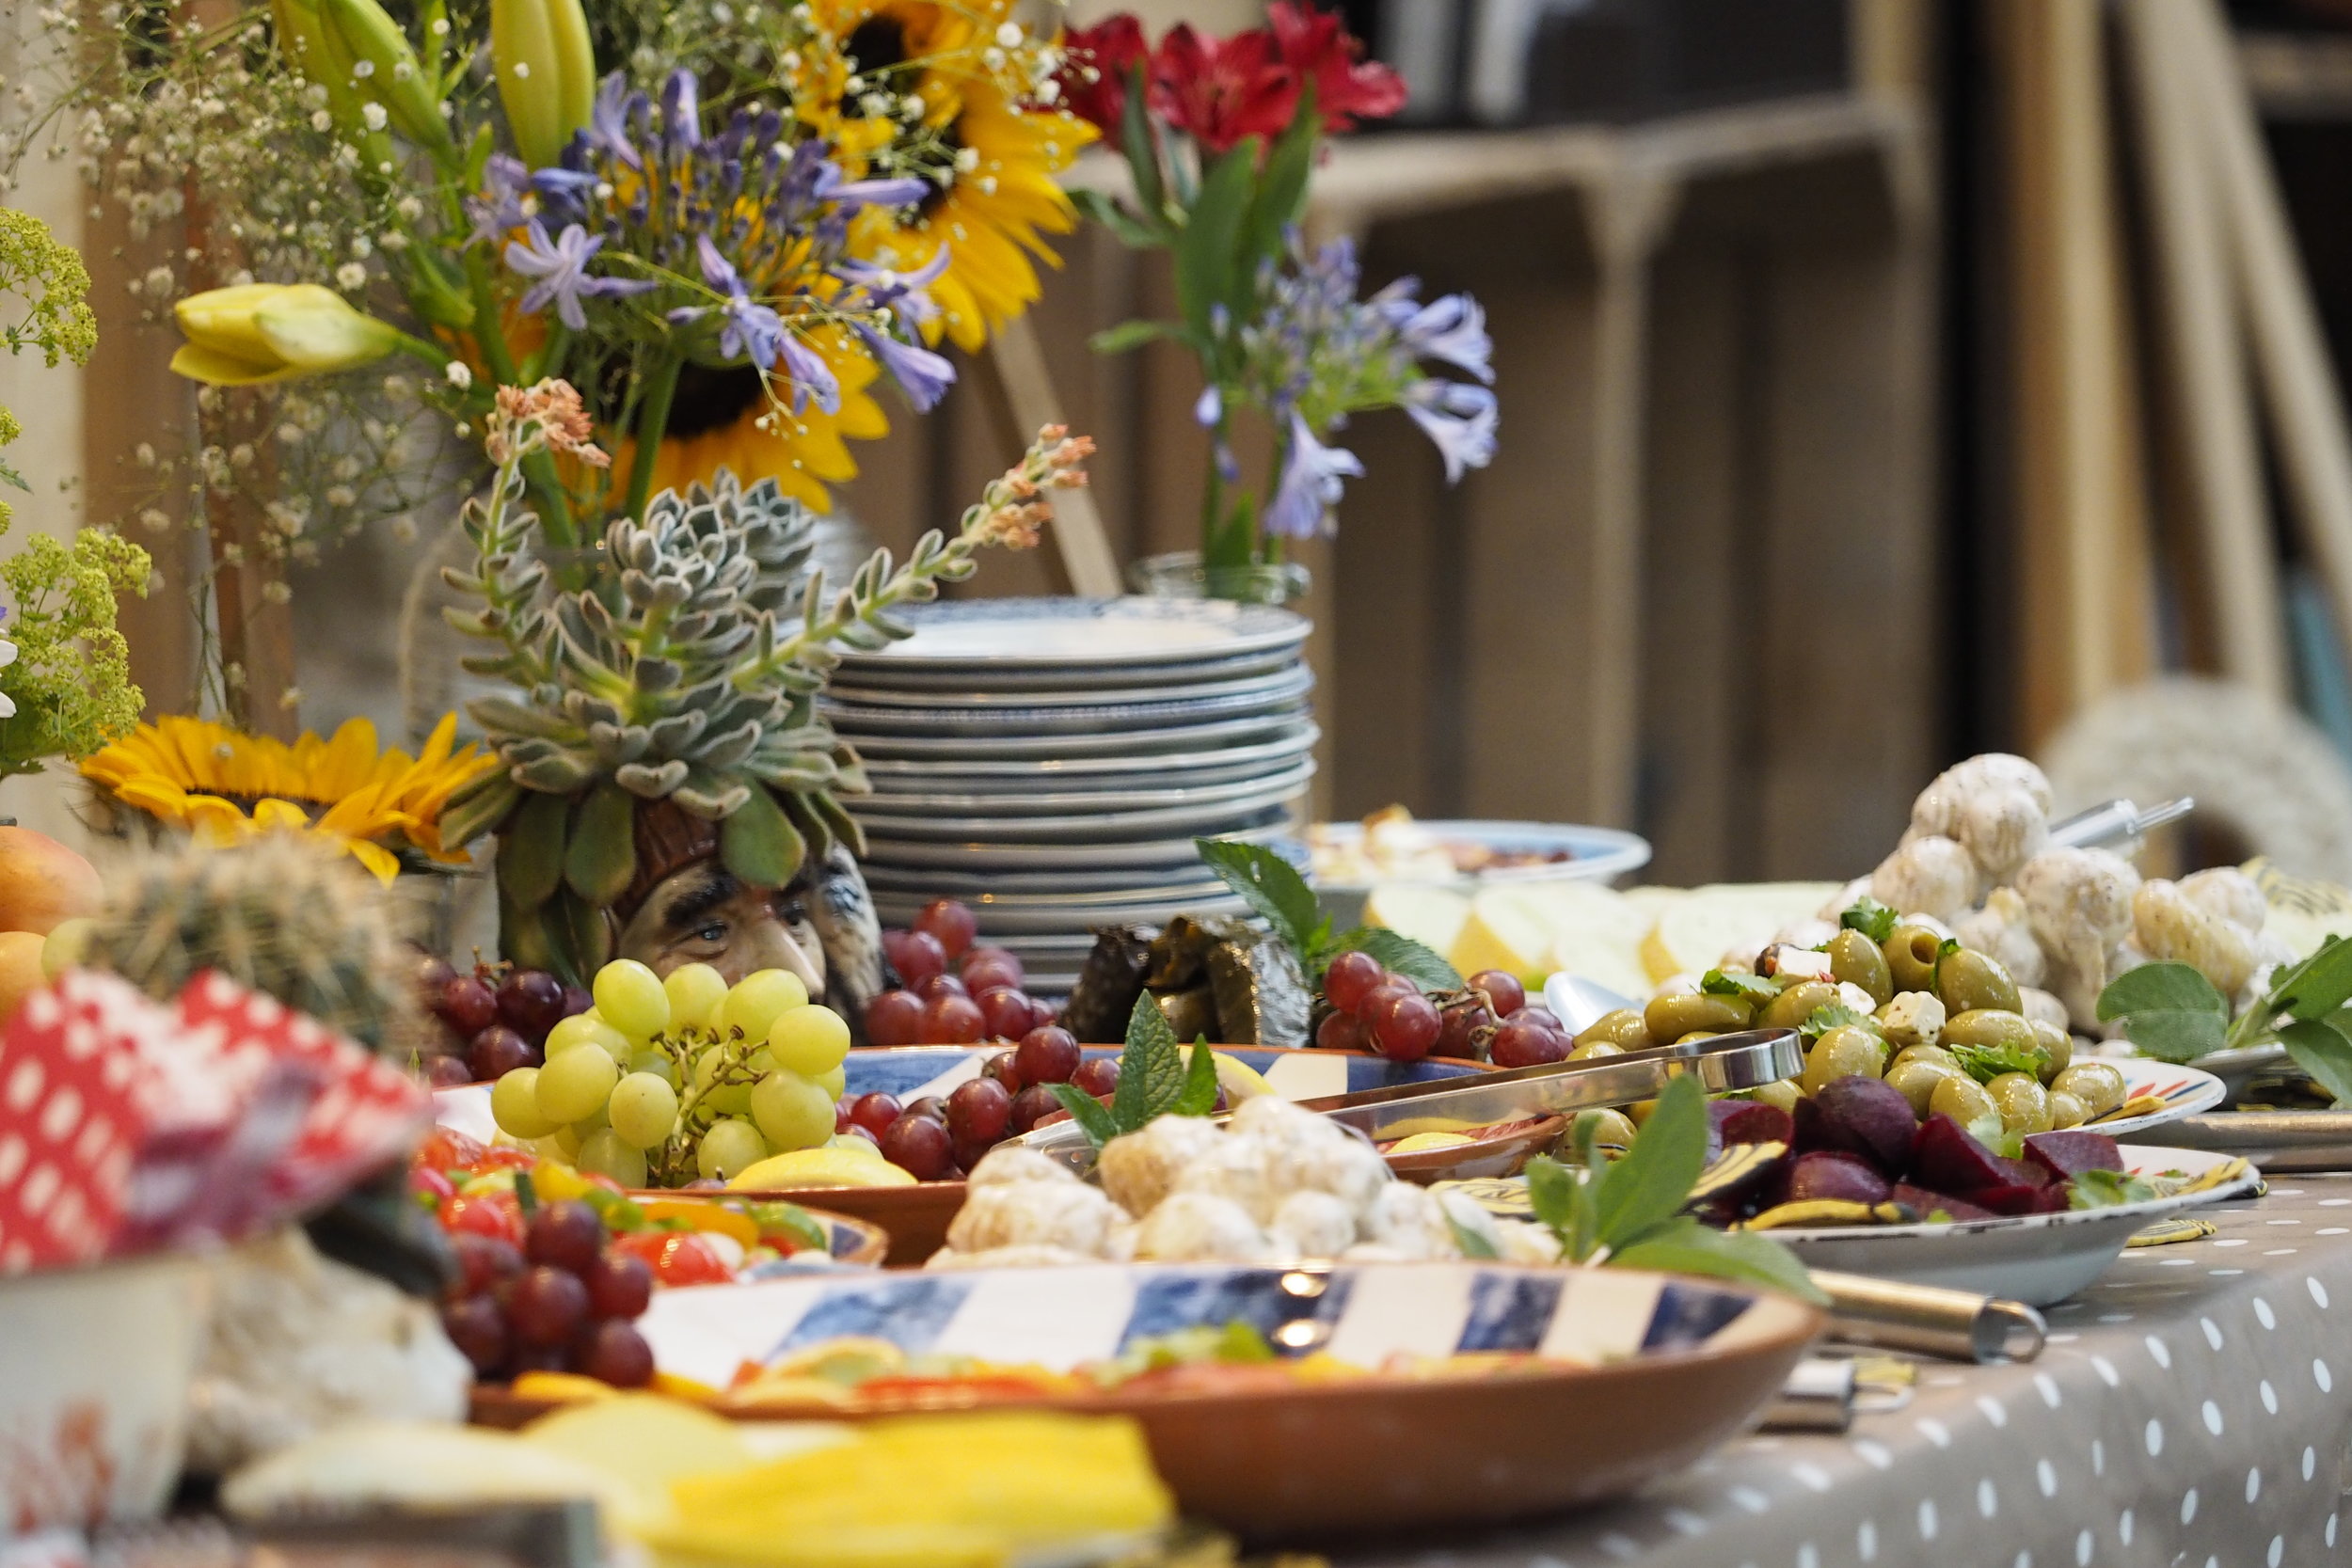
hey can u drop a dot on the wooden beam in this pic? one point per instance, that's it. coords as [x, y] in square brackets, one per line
[1018, 364]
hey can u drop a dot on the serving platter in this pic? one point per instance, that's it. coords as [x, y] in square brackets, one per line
[1637, 1375]
[2187, 1091]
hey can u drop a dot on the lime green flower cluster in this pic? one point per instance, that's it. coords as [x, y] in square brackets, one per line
[48, 275]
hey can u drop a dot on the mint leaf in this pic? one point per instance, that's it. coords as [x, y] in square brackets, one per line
[1551, 1189]
[1734, 982]
[1150, 1068]
[2107, 1189]
[2318, 1046]
[2169, 1010]
[1828, 1016]
[1870, 917]
[1098, 1124]
[1984, 1063]
[1684, 1246]
[2315, 987]
[1273, 887]
[1200, 1096]
[1645, 1188]
[1400, 955]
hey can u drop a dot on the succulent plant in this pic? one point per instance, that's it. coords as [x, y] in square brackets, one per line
[282, 915]
[682, 664]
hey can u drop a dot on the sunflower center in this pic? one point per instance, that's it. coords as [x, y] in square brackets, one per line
[949, 143]
[876, 47]
[712, 397]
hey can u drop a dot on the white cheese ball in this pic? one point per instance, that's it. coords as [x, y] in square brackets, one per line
[1409, 1219]
[1201, 1227]
[1066, 1215]
[1141, 1169]
[1313, 1224]
[1010, 1162]
[1238, 1168]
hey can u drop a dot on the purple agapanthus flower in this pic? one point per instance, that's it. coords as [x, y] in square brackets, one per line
[500, 209]
[561, 268]
[611, 121]
[1310, 486]
[1452, 331]
[924, 376]
[1208, 408]
[1459, 418]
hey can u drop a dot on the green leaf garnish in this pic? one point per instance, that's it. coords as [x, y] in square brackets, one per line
[2169, 1012]
[2320, 1047]
[1400, 955]
[1273, 887]
[2315, 987]
[1151, 1068]
[1984, 1063]
[1093, 1120]
[2107, 1189]
[1828, 1016]
[1870, 917]
[1473, 1244]
[1200, 1096]
[1684, 1246]
[1737, 982]
[1648, 1184]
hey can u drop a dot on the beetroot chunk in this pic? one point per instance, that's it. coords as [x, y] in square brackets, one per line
[1923, 1203]
[2074, 1150]
[1847, 1177]
[1752, 1121]
[2011, 1199]
[1946, 1158]
[1870, 1117]
[2024, 1173]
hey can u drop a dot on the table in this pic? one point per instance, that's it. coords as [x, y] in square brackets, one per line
[2193, 1409]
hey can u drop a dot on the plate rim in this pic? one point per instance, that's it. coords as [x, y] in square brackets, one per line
[1288, 628]
[2016, 1224]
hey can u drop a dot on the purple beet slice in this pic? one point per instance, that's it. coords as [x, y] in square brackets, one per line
[1946, 1158]
[1807, 1131]
[2011, 1199]
[2076, 1149]
[1923, 1203]
[2024, 1173]
[1870, 1117]
[1830, 1174]
[1752, 1121]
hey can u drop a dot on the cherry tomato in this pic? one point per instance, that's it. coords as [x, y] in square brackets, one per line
[430, 1187]
[446, 1149]
[677, 1258]
[485, 1215]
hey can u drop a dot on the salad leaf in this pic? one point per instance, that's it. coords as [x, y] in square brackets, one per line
[2168, 1012]
[2320, 1048]
[1984, 1063]
[1684, 1246]
[1647, 1185]
[2315, 987]
[1273, 887]
[1400, 955]
[1870, 917]
[2107, 1189]
[1830, 1015]
[1735, 982]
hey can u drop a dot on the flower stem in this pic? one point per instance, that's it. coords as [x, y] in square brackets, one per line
[652, 419]
[555, 510]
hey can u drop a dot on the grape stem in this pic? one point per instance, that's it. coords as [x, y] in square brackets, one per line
[675, 1164]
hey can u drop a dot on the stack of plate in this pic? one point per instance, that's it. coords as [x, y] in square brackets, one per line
[1050, 761]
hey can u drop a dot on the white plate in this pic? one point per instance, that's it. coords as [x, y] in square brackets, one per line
[1049, 633]
[1001, 677]
[1596, 854]
[997, 896]
[1258, 808]
[1284, 681]
[2036, 1258]
[1167, 772]
[999, 920]
[1044, 802]
[1017, 855]
[932, 883]
[1159, 742]
[2187, 1091]
[1277, 694]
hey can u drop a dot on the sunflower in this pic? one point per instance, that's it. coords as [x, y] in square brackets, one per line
[723, 419]
[225, 786]
[942, 94]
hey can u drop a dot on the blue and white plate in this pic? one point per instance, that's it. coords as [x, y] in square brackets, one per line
[1223, 809]
[1013, 917]
[1049, 634]
[886, 673]
[1063, 1318]
[1264, 695]
[913, 1071]
[1040, 801]
[1022, 854]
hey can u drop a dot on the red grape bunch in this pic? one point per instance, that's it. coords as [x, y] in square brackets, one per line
[939, 1140]
[1489, 1019]
[494, 1018]
[981, 1000]
[560, 1303]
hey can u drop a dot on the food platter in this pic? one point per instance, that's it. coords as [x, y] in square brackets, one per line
[2187, 1091]
[1638, 1373]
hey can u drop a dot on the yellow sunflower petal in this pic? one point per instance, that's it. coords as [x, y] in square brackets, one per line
[376, 858]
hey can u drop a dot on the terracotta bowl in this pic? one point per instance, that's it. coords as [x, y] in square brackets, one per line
[856, 1242]
[911, 1222]
[1503, 1151]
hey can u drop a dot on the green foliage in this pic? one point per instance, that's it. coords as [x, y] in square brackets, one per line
[1155, 1078]
[1870, 917]
[1628, 1211]
[2171, 1011]
[2107, 1189]
[46, 275]
[1831, 1015]
[1738, 982]
[1984, 1063]
[2168, 1012]
[1272, 887]
[71, 678]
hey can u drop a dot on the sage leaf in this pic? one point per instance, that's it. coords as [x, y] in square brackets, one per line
[1646, 1187]
[1749, 1258]
[2318, 1046]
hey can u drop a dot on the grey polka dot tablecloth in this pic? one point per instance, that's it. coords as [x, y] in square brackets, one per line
[2193, 1409]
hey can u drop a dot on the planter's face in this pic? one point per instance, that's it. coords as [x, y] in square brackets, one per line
[821, 927]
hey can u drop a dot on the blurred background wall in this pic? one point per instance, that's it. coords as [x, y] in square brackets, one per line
[1882, 380]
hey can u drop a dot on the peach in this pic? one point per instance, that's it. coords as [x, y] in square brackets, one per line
[20, 969]
[42, 882]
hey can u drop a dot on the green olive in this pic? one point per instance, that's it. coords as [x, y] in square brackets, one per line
[1962, 1098]
[1911, 953]
[1698, 1035]
[2066, 1111]
[1641, 1111]
[1841, 1053]
[2059, 1043]
[1622, 1029]
[1967, 980]
[1935, 1054]
[1857, 961]
[1917, 1077]
[1791, 1007]
[1611, 1126]
[1991, 1027]
[2024, 1104]
[1671, 1017]
[1784, 1094]
[2097, 1084]
[1591, 1049]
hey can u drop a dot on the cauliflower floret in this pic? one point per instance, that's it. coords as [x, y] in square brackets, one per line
[1240, 1168]
[1066, 1215]
[1524, 1242]
[947, 1258]
[2168, 924]
[2002, 828]
[1007, 1163]
[1930, 874]
[1942, 806]
[1306, 1152]
[1409, 1219]
[1202, 1227]
[2228, 893]
[1313, 1224]
[2003, 931]
[2079, 902]
[2042, 1006]
[1141, 1169]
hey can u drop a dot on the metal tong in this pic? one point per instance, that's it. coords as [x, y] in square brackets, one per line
[2118, 825]
[1724, 1063]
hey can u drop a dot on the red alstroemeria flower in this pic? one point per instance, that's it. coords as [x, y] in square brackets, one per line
[1318, 48]
[1103, 52]
[1221, 90]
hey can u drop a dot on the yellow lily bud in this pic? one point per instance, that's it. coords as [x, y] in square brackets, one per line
[546, 74]
[256, 332]
[386, 68]
[320, 55]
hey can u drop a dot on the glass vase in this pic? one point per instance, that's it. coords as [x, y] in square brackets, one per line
[1179, 575]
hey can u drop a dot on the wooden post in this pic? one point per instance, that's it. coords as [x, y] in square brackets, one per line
[1019, 366]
